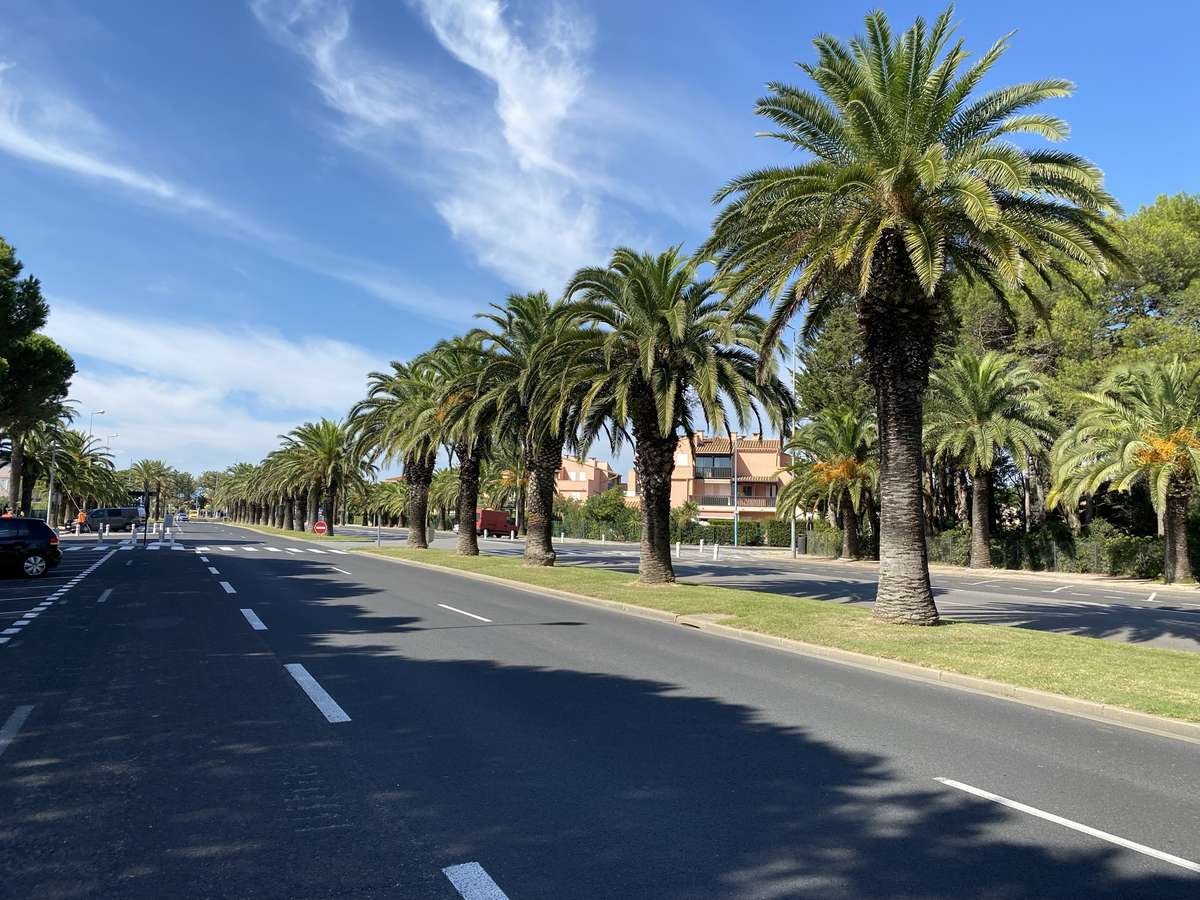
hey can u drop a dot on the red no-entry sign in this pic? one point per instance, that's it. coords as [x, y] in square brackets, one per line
[320, 527]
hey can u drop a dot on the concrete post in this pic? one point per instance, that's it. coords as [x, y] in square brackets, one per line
[716, 551]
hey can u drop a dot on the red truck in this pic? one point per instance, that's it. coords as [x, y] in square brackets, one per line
[495, 521]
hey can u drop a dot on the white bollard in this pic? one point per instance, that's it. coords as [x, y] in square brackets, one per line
[678, 548]
[485, 533]
[512, 535]
[716, 551]
[562, 536]
[76, 528]
[701, 546]
[603, 537]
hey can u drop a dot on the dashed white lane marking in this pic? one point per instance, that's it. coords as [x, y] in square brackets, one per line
[8, 733]
[103, 598]
[224, 548]
[204, 559]
[343, 571]
[1057, 589]
[317, 694]
[291, 549]
[1074, 594]
[54, 597]
[463, 612]
[250, 549]
[129, 562]
[203, 549]
[473, 883]
[228, 587]
[255, 622]
[338, 552]
[1076, 826]
[274, 549]
[989, 581]
[212, 570]
[1016, 588]
[313, 550]
[1152, 596]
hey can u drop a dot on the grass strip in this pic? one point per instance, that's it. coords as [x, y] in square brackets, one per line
[1147, 679]
[303, 535]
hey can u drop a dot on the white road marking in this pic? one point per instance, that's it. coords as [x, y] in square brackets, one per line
[473, 883]
[255, 622]
[1076, 826]
[224, 548]
[8, 733]
[1074, 594]
[317, 694]
[203, 549]
[1017, 588]
[274, 549]
[313, 550]
[343, 571]
[338, 552]
[989, 581]
[103, 598]
[1057, 589]
[11, 631]
[291, 549]
[250, 549]
[213, 571]
[228, 587]
[1152, 596]
[204, 559]
[1112, 597]
[129, 562]
[463, 612]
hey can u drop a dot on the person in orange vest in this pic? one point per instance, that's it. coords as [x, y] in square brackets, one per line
[81, 519]
[7, 514]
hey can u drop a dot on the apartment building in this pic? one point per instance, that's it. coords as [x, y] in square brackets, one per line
[706, 477]
[580, 480]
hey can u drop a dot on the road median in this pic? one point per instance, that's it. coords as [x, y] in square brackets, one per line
[1143, 687]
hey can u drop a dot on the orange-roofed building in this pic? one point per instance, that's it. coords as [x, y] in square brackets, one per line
[581, 480]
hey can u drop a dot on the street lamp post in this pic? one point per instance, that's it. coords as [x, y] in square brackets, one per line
[50, 486]
[92, 420]
[793, 328]
[733, 459]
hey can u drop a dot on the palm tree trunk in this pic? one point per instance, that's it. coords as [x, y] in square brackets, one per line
[16, 465]
[850, 548]
[898, 320]
[1177, 560]
[468, 499]
[27, 482]
[330, 510]
[418, 472]
[311, 507]
[654, 461]
[289, 512]
[981, 520]
[541, 465]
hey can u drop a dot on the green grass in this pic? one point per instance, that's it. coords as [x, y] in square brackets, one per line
[1150, 680]
[303, 535]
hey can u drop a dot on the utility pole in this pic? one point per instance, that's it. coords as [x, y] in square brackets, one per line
[733, 459]
[50, 486]
[793, 327]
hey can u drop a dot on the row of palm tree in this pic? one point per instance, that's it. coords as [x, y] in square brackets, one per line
[1141, 424]
[911, 180]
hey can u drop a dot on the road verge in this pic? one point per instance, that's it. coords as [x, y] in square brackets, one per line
[1150, 689]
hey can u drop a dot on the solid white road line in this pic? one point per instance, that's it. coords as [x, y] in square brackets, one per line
[317, 694]
[255, 622]
[103, 598]
[1076, 826]
[336, 569]
[473, 883]
[1057, 589]
[8, 733]
[213, 571]
[463, 612]
[228, 587]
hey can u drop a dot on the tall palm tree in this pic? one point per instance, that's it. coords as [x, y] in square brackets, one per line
[151, 475]
[322, 454]
[1141, 424]
[834, 460]
[381, 425]
[661, 345]
[912, 179]
[522, 387]
[444, 492]
[978, 408]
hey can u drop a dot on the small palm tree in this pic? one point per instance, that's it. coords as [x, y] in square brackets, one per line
[1141, 424]
[980, 407]
[322, 455]
[661, 345]
[835, 461]
[912, 180]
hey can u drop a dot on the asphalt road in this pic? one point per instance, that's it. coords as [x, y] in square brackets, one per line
[303, 723]
[1157, 617]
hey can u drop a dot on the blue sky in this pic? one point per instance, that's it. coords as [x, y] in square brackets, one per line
[239, 208]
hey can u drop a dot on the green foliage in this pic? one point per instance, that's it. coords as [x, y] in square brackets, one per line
[607, 507]
[23, 310]
[835, 460]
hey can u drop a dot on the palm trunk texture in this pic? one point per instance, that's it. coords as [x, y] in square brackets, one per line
[418, 471]
[654, 461]
[897, 321]
[468, 499]
[1177, 561]
[981, 516]
[542, 464]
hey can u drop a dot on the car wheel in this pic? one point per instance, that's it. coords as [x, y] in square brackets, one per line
[34, 566]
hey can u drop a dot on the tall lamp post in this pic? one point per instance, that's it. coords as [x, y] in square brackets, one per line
[794, 335]
[50, 486]
[92, 420]
[733, 459]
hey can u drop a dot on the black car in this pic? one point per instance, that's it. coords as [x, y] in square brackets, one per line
[29, 545]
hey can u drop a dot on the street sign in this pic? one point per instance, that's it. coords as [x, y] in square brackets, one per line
[320, 527]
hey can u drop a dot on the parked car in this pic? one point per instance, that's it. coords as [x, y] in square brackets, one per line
[29, 545]
[116, 518]
[495, 521]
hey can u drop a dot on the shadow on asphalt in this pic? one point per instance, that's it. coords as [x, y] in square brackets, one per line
[166, 777]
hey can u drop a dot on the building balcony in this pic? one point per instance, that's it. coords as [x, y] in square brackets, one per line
[714, 472]
[724, 500]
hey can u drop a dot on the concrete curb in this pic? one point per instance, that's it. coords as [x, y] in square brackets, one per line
[288, 537]
[1085, 709]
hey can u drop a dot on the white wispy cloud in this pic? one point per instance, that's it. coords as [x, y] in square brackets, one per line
[511, 173]
[199, 397]
[47, 127]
